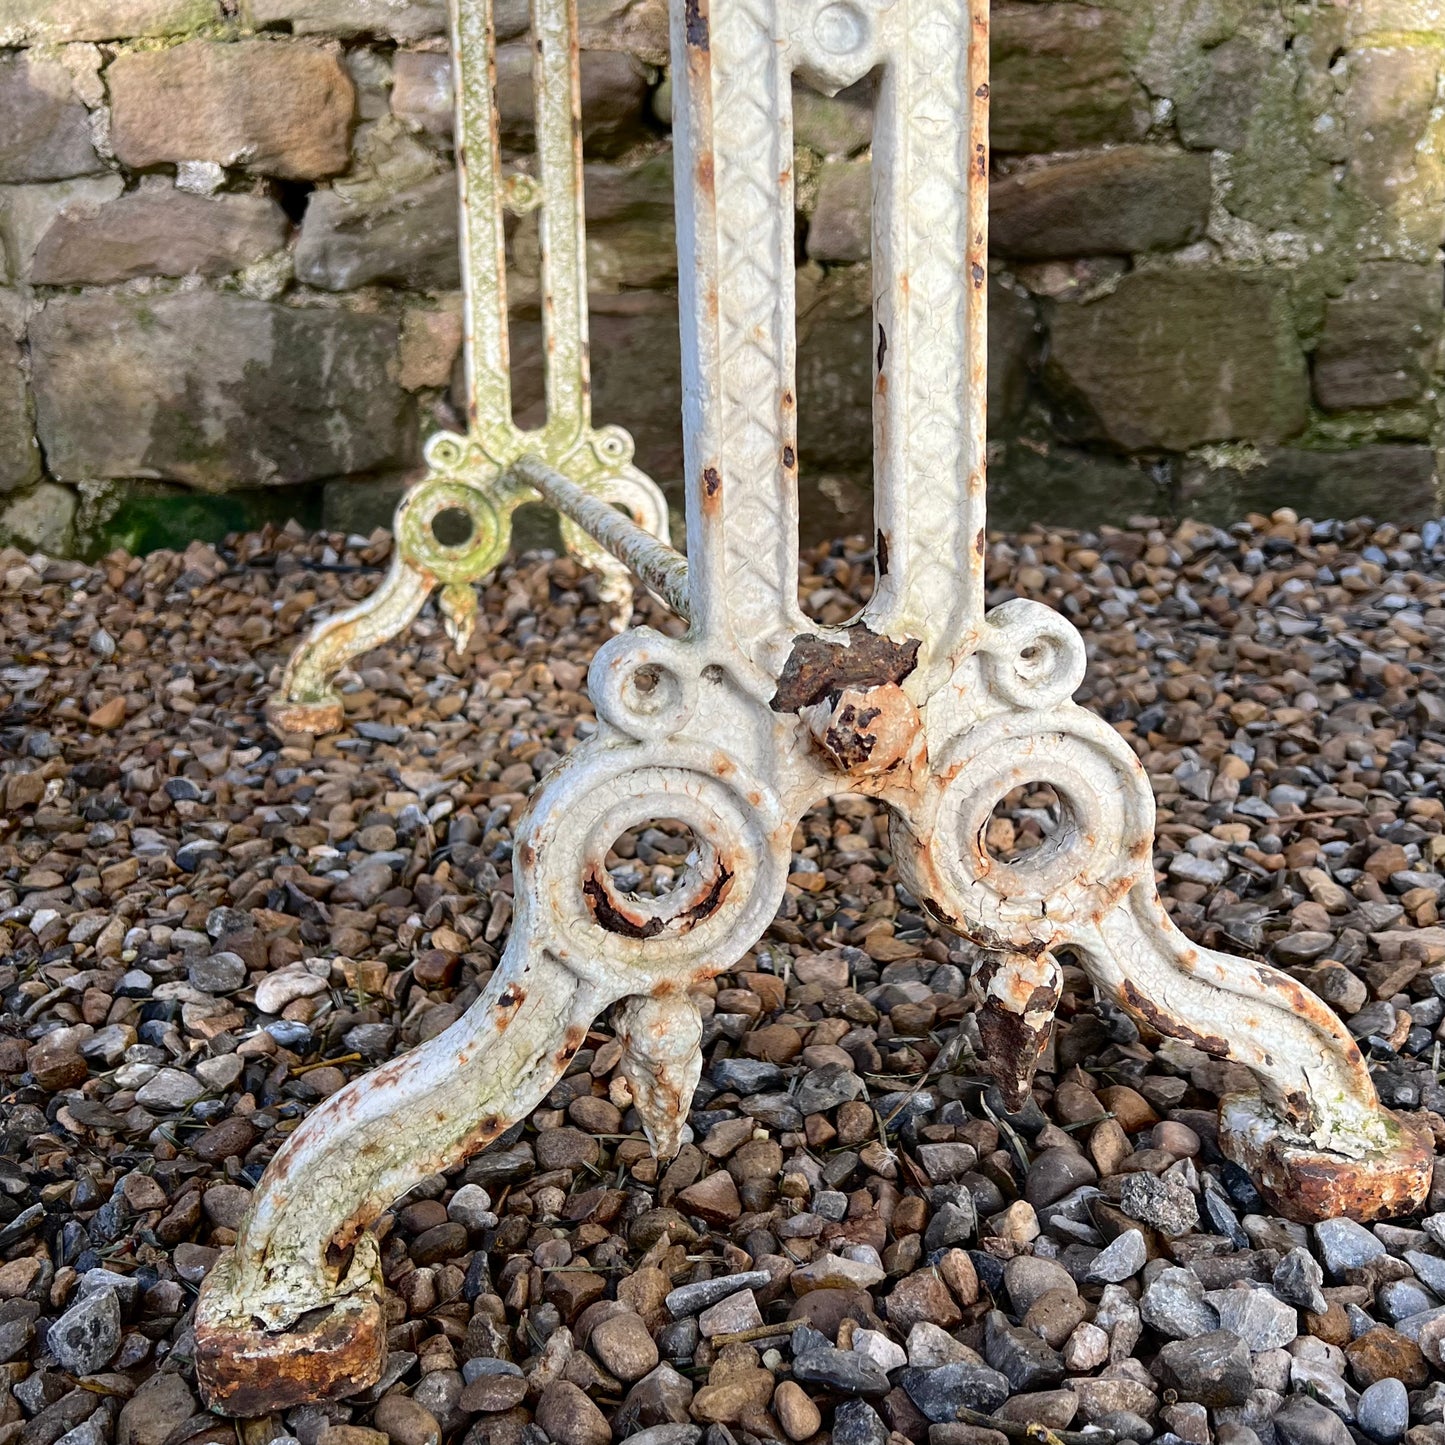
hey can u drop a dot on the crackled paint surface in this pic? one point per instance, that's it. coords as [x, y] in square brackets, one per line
[924, 702]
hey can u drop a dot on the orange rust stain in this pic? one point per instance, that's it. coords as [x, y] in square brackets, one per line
[705, 178]
[979, 542]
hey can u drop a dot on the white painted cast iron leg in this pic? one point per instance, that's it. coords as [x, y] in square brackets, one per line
[736, 730]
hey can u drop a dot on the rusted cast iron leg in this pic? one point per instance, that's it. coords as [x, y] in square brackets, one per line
[1316, 1138]
[578, 944]
[304, 1246]
[1020, 994]
[454, 527]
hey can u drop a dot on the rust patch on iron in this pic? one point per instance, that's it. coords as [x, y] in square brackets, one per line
[880, 552]
[711, 483]
[1307, 1185]
[1169, 1027]
[248, 1372]
[790, 458]
[616, 919]
[818, 668]
[979, 274]
[882, 346]
[695, 23]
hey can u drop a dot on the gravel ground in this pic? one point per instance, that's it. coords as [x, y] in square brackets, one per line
[205, 929]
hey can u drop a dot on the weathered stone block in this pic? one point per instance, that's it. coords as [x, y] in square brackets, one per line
[1215, 113]
[409, 239]
[1117, 202]
[1013, 343]
[421, 91]
[1036, 482]
[215, 390]
[19, 455]
[834, 125]
[272, 107]
[44, 125]
[46, 22]
[401, 19]
[1061, 78]
[1425, 18]
[157, 231]
[1397, 142]
[1391, 483]
[28, 212]
[613, 93]
[1172, 359]
[636, 26]
[842, 224]
[41, 519]
[1379, 337]
[631, 231]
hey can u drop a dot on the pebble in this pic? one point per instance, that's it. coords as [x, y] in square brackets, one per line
[625, 1346]
[797, 1414]
[1121, 1259]
[939, 1391]
[1211, 1369]
[1162, 1201]
[1383, 1411]
[1257, 1316]
[1344, 1245]
[1174, 1305]
[691, 1299]
[86, 1337]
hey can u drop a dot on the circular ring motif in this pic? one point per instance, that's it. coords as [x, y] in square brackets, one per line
[644, 684]
[727, 895]
[469, 559]
[1101, 847]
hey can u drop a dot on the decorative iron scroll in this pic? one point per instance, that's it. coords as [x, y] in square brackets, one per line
[925, 702]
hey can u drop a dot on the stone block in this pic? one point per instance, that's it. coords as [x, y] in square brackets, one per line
[431, 341]
[271, 107]
[614, 96]
[143, 516]
[157, 231]
[215, 390]
[421, 91]
[47, 22]
[399, 19]
[1214, 114]
[841, 228]
[409, 239]
[1380, 337]
[1061, 78]
[834, 125]
[1117, 202]
[44, 124]
[1172, 359]
[19, 454]
[631, 231]
[1391, 483]
[41, 519]
[1036, 482]
[28, 212]
[1396, 138]
[1425, 18]
[1013, 343]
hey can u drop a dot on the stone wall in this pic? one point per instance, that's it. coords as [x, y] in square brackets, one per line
[228, 289]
